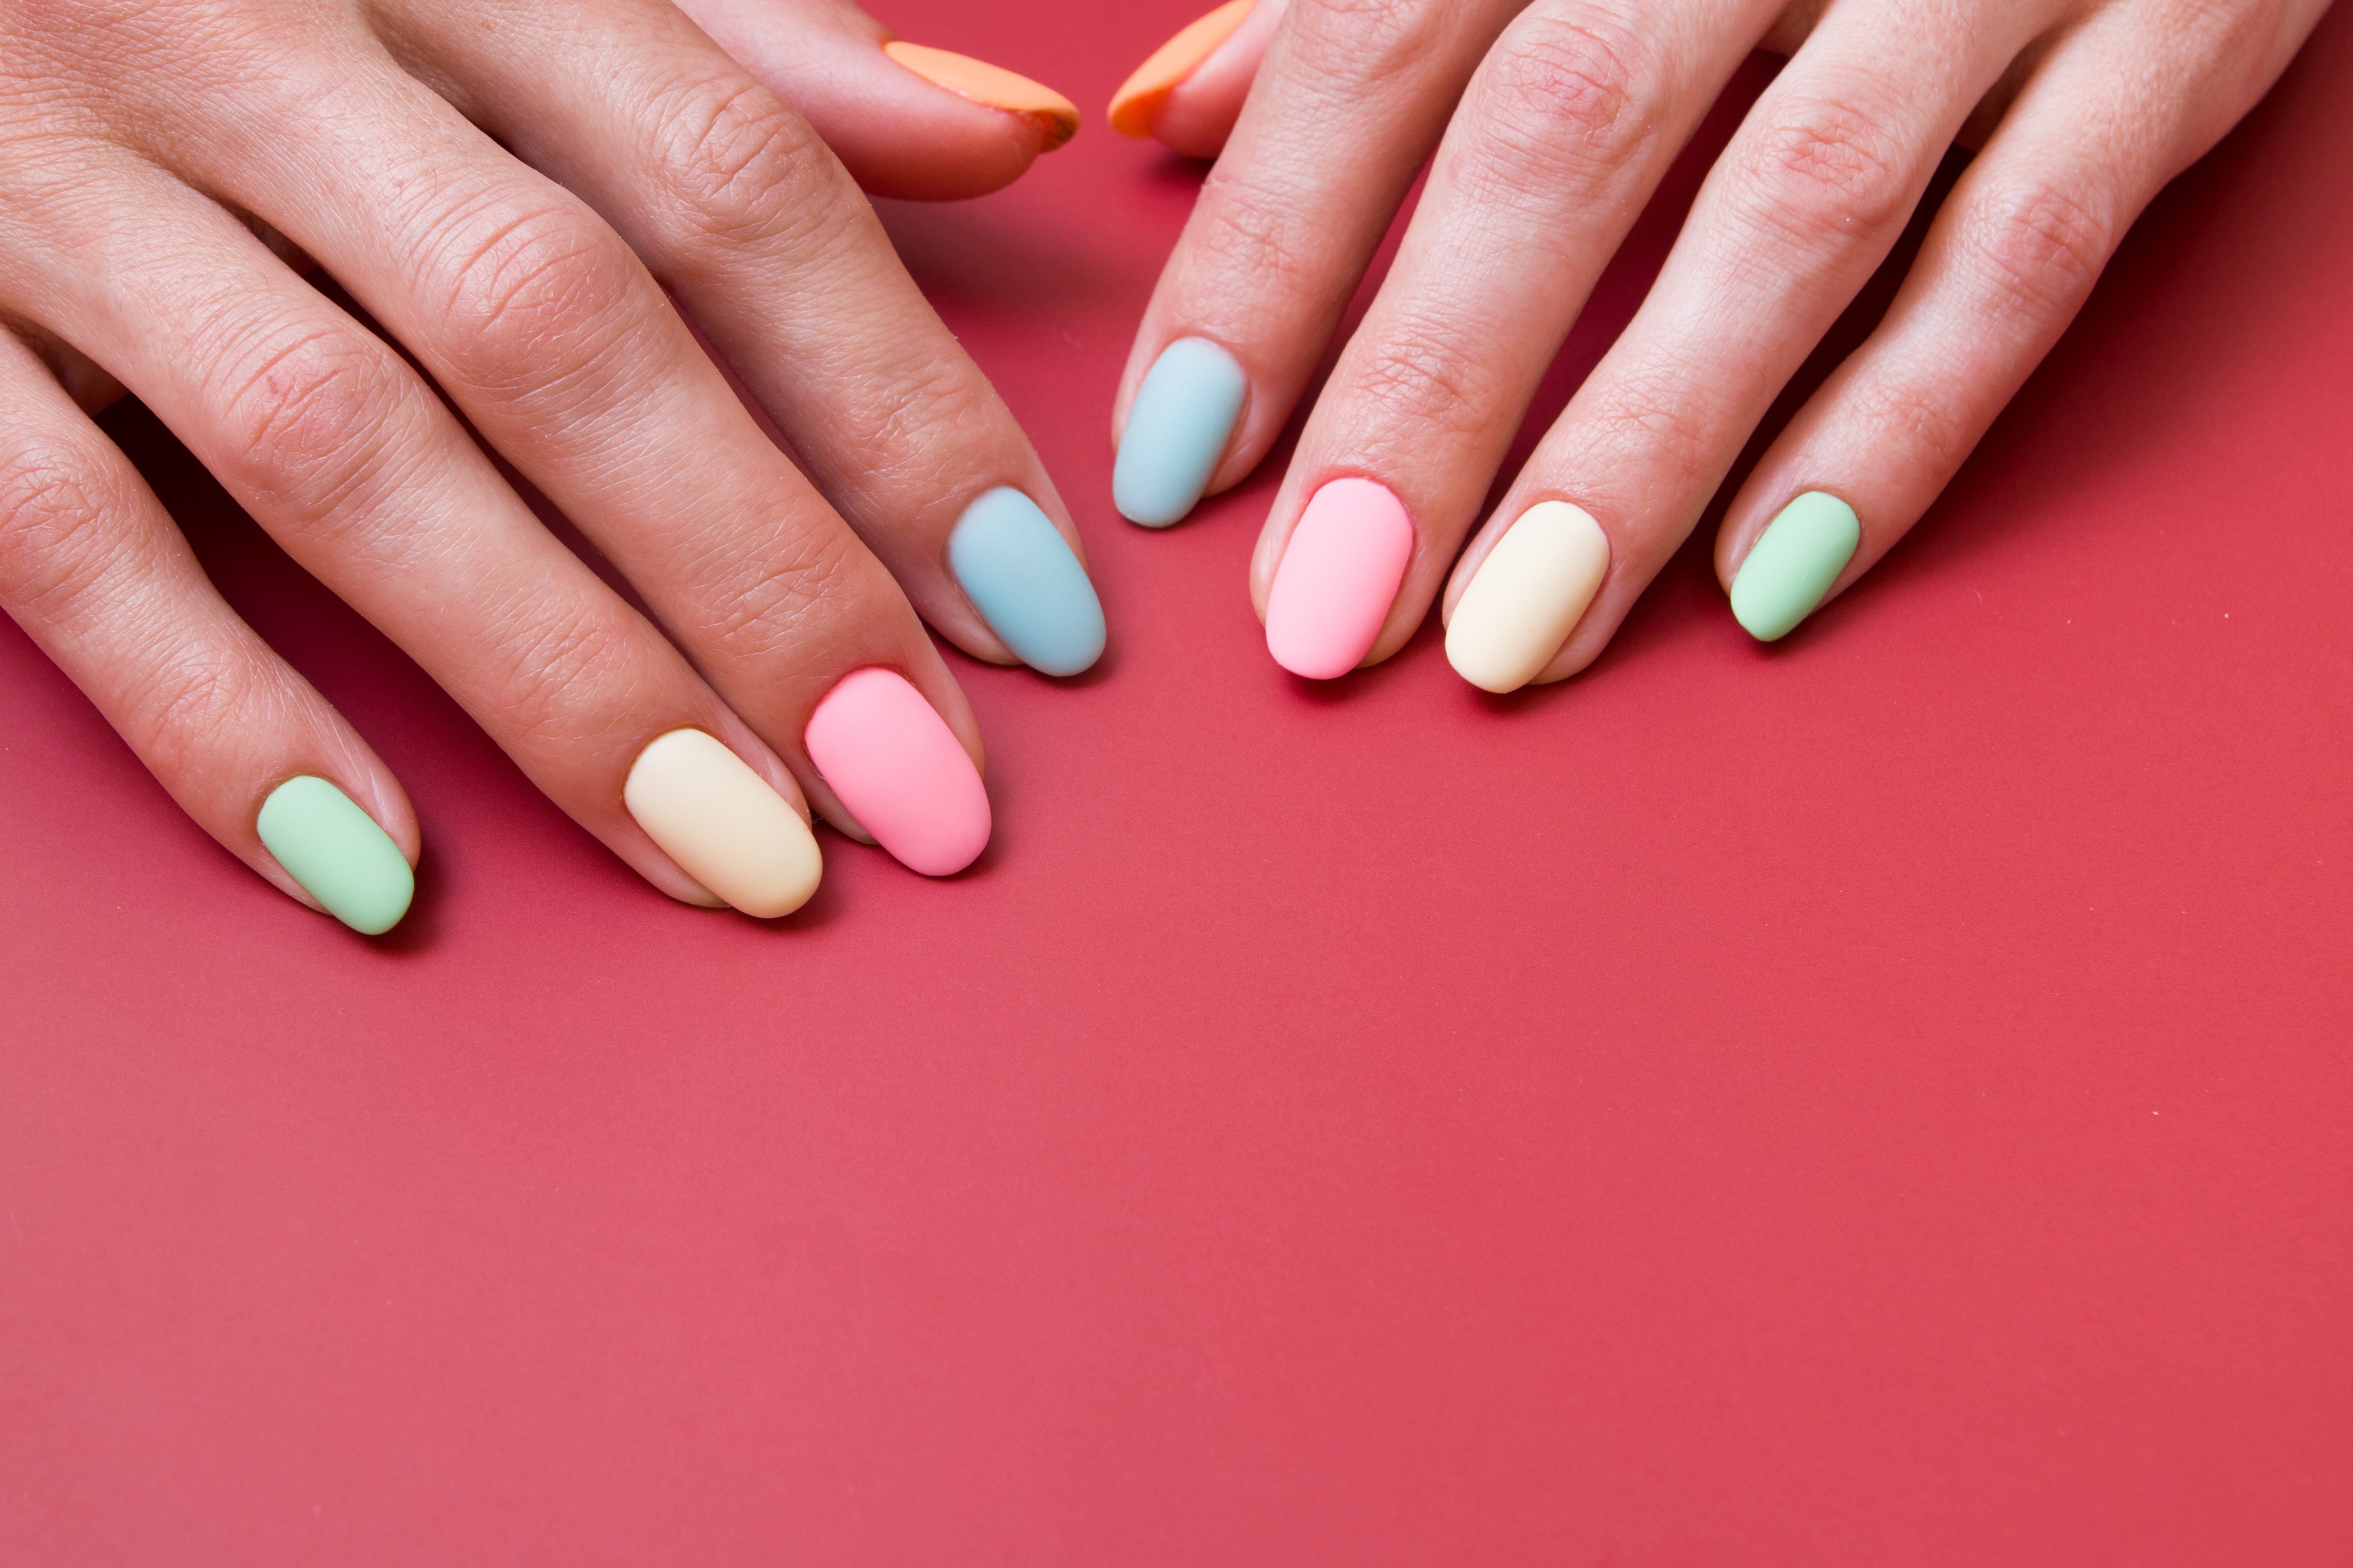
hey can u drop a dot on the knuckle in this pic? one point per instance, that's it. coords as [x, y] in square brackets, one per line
[912, 421]
[1366, 40]
[188, 705]
[1420, 381]
[537, 287]
[739, 165]
[53, 512]
[1831, 169]
[2041, 245]
[1653, 420]
[555, 669]
[1244, 239]
[303, 411]
[1581, 85]
[767, 603]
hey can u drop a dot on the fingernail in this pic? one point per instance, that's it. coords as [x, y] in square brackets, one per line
[338, 853]
[723, 824]
[992, 85]
[1526, 596]
[1176, 430]
[901, 771]
[1139, 97]
[1339, 575]
[1793, 564]
[1021, 574]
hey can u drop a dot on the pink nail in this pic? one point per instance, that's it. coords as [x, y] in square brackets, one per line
[1338, 578]
[901, 771]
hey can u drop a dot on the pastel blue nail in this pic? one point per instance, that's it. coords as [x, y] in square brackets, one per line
[1183, 416]
[1021, 572]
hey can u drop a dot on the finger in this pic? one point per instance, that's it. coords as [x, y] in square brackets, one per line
[339, 450]
[1188, 92]
[2012, 257]
[723, 192]
[1572, 120]
[906, 120]
[1803, 205]
[1278, 239]
[96, 573]
[550, 335]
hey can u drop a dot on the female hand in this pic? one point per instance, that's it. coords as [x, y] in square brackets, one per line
[1552, 124]
[508, 189]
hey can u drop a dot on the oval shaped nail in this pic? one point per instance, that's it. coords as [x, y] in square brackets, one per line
[992, 85]
[1139, 97]
[1793, 564]
[1527, 596]
[1339, 575]
[1026, 581]
[900, 772]
[1176, 431]
[339, 854]
[723, 824]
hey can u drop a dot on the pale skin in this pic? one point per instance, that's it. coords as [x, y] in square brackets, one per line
[1551, 125]
[509, 188]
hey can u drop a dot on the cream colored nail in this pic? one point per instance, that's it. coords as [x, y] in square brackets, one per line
[723, 824]
[1526, 596]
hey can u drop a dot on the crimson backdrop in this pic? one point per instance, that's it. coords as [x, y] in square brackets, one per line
[1878, 1099]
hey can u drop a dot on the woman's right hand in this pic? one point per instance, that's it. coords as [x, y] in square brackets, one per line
[509, 188]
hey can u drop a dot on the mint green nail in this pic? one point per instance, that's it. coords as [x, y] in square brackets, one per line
[338, 854]
[1793, 564]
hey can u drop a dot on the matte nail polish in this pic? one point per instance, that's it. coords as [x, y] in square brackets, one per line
[1023, 577]
[1176, 430]
[1339, 575]
[1793, 564]
[992, 85]
[901, 771]
[338, 853]
[1526, 596]
[1139, 97]
[723, 824]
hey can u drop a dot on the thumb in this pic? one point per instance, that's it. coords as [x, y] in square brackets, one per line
[1191, 93]
[906, 121]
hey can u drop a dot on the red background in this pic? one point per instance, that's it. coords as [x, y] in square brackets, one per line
[1879, 1099]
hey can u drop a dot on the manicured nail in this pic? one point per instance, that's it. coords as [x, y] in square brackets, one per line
[1176, 430]
[992, 85]
[1793, 564]
[338, 853]
[1022, 576]
[1526, 596]
[1339, 575]
[901, 771]
[1139, 97]
[723, 824]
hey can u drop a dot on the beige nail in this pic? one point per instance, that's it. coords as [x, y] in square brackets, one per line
[723, 824]
[1526, 596]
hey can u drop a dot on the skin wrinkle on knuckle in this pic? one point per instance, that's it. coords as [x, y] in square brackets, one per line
[2037, 245]
[563, 663]
[1419, 381]
[1578, 91]
[1354, 47]
[1648, 420]
[742, 168]
[1827, 171]
[763, 607]
[60, 524]
[539, 293]
[308, 415]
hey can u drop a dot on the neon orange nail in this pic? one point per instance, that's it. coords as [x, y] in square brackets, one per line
[1139, 97]
[992, 85]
